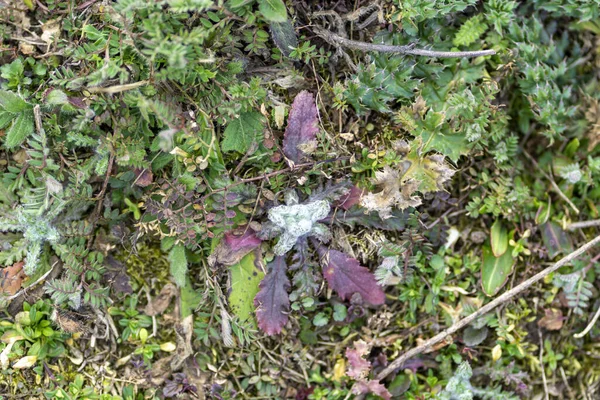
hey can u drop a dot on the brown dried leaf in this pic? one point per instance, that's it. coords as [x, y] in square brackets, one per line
[553, 320]
[160, 303]
[11, 279]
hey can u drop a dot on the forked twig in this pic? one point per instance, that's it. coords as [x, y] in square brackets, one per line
[338, 40]
[503, 298]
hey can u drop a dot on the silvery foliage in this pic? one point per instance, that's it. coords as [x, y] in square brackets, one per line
[293, 220]
[459, 386]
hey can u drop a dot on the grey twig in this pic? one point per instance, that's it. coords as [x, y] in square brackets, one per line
[503, 298]
[338, 40]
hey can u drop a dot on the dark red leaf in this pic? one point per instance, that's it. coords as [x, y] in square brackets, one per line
[234, 246]
[365, 387]
[143, 177]
[351, 199]
[345, 275]
[272, 301]
[302, 126]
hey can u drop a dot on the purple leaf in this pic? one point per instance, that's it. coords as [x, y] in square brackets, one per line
[345, 275]
[351, 199]
[272, 302]
[302, 126]
[358, 367]
[371, 386]
[234, 246]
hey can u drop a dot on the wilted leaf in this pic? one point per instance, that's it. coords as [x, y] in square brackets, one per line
[302, 126]
[345, 275]
[272, 302]
[556, 240]
[234, 246]
[495, 270]
[116, 274]
[553, 320]
[351, 199]
[284, 36]
[11, 278]
[473, 337]
[25, 362]
[241, 133]
[143, 177]
[358, 367]
[245, 278]
[179, 264]
[371, 386]
[498, 238]
[159, 304]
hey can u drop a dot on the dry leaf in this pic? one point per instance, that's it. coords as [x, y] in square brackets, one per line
[11, 279]
[160, 303]
[50, 30]
[553, 320]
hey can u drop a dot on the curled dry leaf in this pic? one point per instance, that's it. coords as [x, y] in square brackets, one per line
[358, 367]
[553, 320]
[302, 128]
[159, 304]
[234, 246]
[11, 279]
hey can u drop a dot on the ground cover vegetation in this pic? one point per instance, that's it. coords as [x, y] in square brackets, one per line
[264, 199]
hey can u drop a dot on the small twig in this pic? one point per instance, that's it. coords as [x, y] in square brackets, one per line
[554, 185]
[583, 224]
[338, 40]
[589, 326]
[544, 381]
[503, 298]
[118, 88]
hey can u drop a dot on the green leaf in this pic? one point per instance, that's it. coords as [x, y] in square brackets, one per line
[555, 240]
[241, 133]
[499, 238]
[470, 31]
[273, 10]
[245, 278]
[190, 299]
[19, 130]
[179, 265]
[12, 103]
[284, 36]
[452, 146]
[495, 271]
[5, 119]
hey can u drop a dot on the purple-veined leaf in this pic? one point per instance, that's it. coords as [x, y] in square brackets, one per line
[272, 301]
[346, 276]
[234, 246]
[302, 126]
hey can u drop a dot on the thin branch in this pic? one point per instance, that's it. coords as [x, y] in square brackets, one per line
[503, 298]
[554, 185]
[583, 224]
[338, 40]
[545, 382]
[589, 327]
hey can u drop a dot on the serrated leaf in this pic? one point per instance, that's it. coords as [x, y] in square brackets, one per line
[245, 280]
[470, 31]
[284, 36]
[234, 246]
[498, 238]
[179, 264]
[451, 145]
[12, 103]
[21, 127]
[242, 132]
[302, 126]
[272, 301]
[473, 337]
[495, 270]
[358, 367]
[273, 10]
[346, 276]
[371, 386]
[555, 239]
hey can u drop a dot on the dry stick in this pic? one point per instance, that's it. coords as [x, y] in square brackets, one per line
[503, 298]
[384, 48]
[554, 185]
[583, 224]
[589, 327]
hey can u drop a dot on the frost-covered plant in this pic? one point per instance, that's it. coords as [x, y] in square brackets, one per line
[36, 230]
[293, 220]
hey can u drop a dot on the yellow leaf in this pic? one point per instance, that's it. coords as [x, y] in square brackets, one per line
[496, 353]
[339, 370]
[25, 362]
[168, 346]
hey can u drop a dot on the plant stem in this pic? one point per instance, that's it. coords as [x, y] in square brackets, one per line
[583, 224]
[338, 40]
[503, 298]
